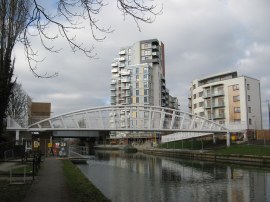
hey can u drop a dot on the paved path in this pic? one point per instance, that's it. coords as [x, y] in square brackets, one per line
[49, 185]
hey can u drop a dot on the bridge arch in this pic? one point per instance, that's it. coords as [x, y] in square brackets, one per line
[129, 118]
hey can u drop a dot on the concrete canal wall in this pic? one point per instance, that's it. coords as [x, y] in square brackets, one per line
[263, 161]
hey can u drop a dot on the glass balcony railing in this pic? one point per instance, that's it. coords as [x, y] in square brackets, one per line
[219, 116]
[213, 94]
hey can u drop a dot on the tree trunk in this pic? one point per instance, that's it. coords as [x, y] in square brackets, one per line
[6, 85]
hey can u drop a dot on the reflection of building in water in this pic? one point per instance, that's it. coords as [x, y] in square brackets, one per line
[258, 186]
[252, 185]
[150, 178]
[230, 184]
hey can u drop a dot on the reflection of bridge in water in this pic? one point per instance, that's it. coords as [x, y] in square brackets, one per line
[126, 118]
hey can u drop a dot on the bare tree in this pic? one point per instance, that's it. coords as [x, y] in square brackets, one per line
[18, 104]
[69, 16]
[12, 22]
[20, 20]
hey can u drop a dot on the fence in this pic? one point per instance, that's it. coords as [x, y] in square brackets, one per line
[263, 134]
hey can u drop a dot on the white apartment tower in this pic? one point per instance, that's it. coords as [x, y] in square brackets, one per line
[228, 99]
[138, 76]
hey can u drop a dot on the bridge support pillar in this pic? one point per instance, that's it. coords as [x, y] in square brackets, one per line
[228, 138]
[17, 137]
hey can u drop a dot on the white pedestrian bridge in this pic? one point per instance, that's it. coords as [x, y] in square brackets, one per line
[124, 118]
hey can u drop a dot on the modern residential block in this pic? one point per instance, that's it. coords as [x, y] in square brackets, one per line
[138, 76]
[228, 99]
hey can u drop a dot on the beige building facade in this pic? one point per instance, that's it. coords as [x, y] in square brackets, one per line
[228, 99]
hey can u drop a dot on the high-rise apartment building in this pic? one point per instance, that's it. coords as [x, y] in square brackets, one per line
[228, 99]
[138, 76]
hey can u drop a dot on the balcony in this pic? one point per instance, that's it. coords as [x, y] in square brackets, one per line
[155, 54]
[216, 105]
[125, 87]
[219, 116]
[213, 94]
[122, 52]
[114, 64]
[155, 61]
[125, 72]
[155, 47]
[114, 70]
[206, 95]
[122, 65]
[207, 106]
[217, 93]
[125, 94]
[125, 80]
[121, 59]
[113, 89]
[113, 82]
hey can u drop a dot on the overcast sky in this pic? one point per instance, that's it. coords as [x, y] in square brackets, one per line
[200, 37]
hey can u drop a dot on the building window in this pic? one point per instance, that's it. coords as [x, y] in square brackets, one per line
[221, 122]
[194, 86]
[137, 70]
[200, 104]
[248, 86]
[236, 98]
[202, 114]
[200, 94]
[195, 106]
[248, 97]
[137, 77]
[145, 84]
[137, 92]
[145, 70]
[137, 84]
[237, 110]
[145, 77]
[194, 96]
[236, 87]
[249, 121]
[237, 120]
[145, 92]
[137, 100]
[145, 99]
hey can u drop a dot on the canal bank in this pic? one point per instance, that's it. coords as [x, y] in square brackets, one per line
[263, 161]
[201, 155]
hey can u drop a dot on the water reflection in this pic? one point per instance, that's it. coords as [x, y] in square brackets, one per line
[138, 177]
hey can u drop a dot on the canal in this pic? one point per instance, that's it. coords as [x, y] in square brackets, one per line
[138, 177]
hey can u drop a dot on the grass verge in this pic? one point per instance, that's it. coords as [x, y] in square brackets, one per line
[13, 192]
[80, 187]
[188, 144]
[257, 150]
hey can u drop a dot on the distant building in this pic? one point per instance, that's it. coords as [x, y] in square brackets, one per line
[38, 111]
[228, 99]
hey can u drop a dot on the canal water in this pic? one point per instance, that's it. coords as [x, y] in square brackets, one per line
[124, 177]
